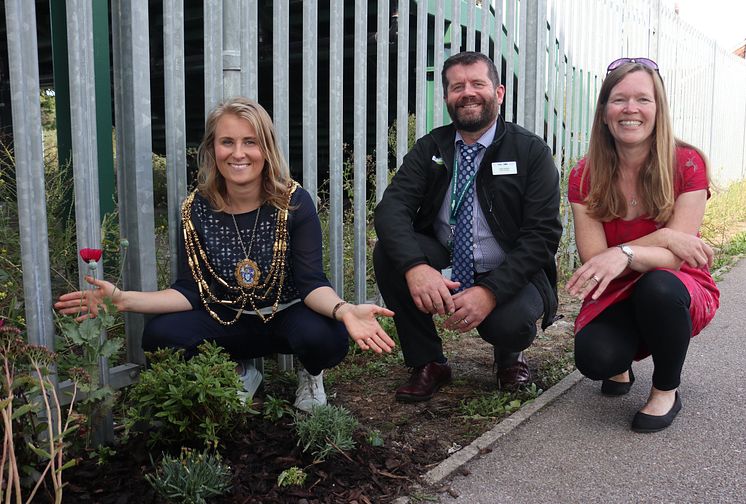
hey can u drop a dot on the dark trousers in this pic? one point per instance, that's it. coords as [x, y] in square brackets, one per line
[655, 316]
[510, 327]
[319, 342]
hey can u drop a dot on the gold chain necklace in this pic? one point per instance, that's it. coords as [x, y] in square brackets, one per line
[274, 278]
[247, 271]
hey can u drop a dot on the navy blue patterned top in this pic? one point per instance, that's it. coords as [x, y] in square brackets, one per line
[217, 236]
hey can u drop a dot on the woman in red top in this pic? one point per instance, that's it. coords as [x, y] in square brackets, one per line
[638, 199]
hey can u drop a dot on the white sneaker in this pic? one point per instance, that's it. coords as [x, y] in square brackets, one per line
[250, 377]
[310, 392]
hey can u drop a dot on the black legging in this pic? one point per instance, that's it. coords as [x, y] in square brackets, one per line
[656, 317]
[510, 328]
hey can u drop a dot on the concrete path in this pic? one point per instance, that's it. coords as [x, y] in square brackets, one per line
[578, 447]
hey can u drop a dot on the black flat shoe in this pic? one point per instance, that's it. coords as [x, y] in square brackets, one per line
[654, 423]
[615, 388]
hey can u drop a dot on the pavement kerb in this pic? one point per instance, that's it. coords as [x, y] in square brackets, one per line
[450, 465]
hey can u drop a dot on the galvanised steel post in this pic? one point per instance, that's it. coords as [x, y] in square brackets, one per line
[336, 62]
[23, 62]
[382, 100]
[85, 170]
[134, 156]
[231, 48]
[532, 60]
[249, 49]
[310, 98]
[213, 61]
[281, 73]
[402, 82]
[175, 110]
[359, 150]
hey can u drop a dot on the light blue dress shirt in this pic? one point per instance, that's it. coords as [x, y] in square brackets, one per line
[487, 252]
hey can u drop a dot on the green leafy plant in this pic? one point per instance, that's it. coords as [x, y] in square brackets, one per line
[374, 438]
[82, 347]
[498, 403]
[103, 454]
[295, 476]
[326, 430]
[275, 408]
[187, 400]
[192, 478]
[83, 344]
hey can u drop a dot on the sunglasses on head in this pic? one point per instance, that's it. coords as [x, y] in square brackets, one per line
[640, 61]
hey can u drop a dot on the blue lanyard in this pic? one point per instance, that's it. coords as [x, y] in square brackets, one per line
[456, 201]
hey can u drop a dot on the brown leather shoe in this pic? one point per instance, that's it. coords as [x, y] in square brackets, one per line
[514, 376]
[424, 382]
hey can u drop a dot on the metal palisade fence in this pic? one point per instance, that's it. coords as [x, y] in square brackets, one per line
[375, 63]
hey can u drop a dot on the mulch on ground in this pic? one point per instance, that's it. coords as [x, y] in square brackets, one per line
[416, 437]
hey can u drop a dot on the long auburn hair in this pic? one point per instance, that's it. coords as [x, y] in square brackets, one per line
[605, 200]
[275, 175]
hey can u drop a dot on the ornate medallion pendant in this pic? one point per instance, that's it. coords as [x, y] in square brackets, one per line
[247, 273]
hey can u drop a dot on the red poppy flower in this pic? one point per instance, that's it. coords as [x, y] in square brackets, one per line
[89, 254]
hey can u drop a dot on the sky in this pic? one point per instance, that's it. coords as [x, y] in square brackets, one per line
[723, 20]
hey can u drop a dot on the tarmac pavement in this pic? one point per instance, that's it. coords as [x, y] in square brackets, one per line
[574, 445]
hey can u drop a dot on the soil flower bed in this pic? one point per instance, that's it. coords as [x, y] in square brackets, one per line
[395, 443]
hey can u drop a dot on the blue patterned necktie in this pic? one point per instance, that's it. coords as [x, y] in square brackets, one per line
[463, 242]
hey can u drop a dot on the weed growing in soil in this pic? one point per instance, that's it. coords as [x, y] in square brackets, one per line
[728, 255]
[374, 438]
[295, 476]
[275, 408]
[498, 403]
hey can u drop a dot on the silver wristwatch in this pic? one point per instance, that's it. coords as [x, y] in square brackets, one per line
[628, 252]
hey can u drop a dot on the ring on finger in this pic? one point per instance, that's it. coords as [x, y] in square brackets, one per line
[466, 322]
[595, 279]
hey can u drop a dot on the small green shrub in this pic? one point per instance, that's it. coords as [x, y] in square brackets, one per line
[275, 408]
[295, 476]
[191, 478]
[188, 400]
[326, 430]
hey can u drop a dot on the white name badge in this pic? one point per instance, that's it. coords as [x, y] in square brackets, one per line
[504, 168]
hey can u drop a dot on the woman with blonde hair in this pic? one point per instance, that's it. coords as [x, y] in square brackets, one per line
[251, 278]
[638, 199]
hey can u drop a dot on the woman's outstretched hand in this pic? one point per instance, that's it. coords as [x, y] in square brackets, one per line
[364, 329]
[86, 303]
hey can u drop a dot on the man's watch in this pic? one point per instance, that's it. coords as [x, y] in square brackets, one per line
[628, 252]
